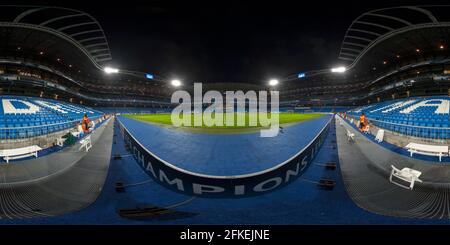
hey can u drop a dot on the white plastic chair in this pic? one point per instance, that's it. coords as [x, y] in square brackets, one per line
[380, 135]
[408, 175]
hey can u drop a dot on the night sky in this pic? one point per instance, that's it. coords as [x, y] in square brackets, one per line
[226, 41]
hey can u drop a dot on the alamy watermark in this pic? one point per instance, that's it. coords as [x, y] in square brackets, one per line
[235, 101]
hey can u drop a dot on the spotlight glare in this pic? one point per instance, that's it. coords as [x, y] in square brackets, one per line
[110, 70]
[273, 82]
[339, 69]
[176, 83]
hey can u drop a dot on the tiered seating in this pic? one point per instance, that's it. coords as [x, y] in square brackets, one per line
[23, 117]
[319, 109]
[426, 117]
[133, 110]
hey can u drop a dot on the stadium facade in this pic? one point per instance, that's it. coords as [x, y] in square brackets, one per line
[388, 53]
[61, 53]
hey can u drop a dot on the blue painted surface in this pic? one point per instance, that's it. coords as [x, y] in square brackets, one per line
[226, 154]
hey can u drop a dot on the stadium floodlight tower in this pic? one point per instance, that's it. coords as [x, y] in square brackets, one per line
[176, 83]
[110, 70]
[273, 82]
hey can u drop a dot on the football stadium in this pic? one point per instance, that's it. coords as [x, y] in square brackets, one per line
[83, 141]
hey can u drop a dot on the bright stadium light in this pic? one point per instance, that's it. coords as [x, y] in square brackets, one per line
[176, 83]
[110, 70]
[339, 69]
[273, 82]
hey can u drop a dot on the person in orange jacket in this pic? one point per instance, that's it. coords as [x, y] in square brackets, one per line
[362, 121]
[85, 124]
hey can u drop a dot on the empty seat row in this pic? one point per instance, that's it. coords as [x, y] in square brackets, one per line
[426, 117]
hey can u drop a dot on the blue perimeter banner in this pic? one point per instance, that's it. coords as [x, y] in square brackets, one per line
[196, 184]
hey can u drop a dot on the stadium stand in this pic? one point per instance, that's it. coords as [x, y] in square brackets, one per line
[23, 117]
[426, 117]
[314, 109]
[133, 110]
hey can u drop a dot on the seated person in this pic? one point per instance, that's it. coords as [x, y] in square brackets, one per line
[85, 124]
[362, 122]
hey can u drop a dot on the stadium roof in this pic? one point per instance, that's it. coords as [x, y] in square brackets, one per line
[376, 26]
[71, 41]
[76, 27]
[382, 40]
[376, 43]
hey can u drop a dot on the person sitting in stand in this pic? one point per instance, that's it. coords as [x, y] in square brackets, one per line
[366, 125]
[85, 124]
[362, 120]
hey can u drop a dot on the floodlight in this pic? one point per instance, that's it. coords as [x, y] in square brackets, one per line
[176, 83]
[273, 82]
[110, 70]
[339, 69]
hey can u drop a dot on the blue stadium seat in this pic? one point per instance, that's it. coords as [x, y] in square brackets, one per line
[22, 117]
[420, 116]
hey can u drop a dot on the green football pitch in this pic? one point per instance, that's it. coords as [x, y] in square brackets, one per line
[284, 118]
